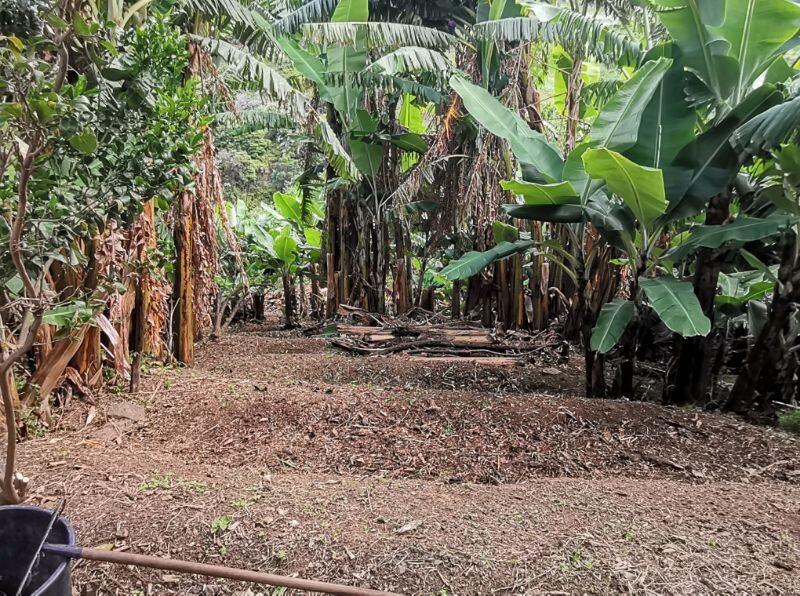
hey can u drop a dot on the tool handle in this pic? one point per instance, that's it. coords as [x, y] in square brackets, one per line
[256, 577]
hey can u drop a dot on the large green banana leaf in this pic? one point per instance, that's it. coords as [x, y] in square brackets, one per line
[710, 163]
[611, 324]
[676, 304]
[367, 157]
[743, 229]
[286, 247]
[529, 146]
[668, 123]
[690, 24]
[641, 188]
[289, 207]
[617, 126]
[756, 30]
[614, 221]
[474, 262]
[728, 44]
[560, 193]
[769, 129]
[550, 213]
[740, 288]
[348, 59]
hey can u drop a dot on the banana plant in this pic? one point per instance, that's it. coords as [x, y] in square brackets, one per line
[296, 247]
[339, 60]
[626, 202]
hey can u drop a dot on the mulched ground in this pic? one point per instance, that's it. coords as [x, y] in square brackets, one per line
[278, 453]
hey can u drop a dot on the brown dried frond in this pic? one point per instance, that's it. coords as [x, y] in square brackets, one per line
[201, 64]
[206, 194]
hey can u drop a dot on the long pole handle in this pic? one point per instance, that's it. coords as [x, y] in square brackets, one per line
[256, 577]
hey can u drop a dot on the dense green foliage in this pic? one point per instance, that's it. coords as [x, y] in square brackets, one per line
[104, 142]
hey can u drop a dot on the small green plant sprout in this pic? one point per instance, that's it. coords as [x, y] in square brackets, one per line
[576, 562]
[164, 482]
[242, 504]
[219, 525]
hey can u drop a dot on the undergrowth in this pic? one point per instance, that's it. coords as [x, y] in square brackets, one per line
[790, 421]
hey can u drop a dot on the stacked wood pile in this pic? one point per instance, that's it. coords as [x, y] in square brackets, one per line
[449, 342]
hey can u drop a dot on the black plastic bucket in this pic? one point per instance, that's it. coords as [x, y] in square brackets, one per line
[21, 532]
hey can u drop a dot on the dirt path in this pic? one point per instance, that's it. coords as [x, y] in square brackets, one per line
[278, 454]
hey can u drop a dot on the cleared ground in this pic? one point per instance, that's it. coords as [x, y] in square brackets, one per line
[279, 454]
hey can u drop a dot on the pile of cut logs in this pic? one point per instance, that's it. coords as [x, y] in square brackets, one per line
[445, 343]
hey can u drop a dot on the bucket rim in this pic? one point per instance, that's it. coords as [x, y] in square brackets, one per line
[64, 565]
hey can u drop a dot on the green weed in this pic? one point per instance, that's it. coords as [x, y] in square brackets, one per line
[790, 421]
[220, 524]
[34, 426]
[242, 504]
[576, 562]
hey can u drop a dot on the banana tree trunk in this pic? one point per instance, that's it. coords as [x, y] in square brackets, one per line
[689, 380]
[184, 281]
[289, 301]
[258, 305]
[138, 332]
[503, 291]
[316, 296]
[88, 359]
[624, 385]
[47, 376]
[772, 364]
[455, 312]
[332, 249]
[573, 103]
[402, 271]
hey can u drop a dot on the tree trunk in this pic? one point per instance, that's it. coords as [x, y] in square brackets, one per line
[402, 272]
[137, 336]
[88, 360]
[345, 257]
[428, 301]
[316, 297]
[624, 385]
[289, 301]
[332, 248]
[258, 306]
[184, 281]
[770, 373]
[518, 293]
[505, 306]
[573, 103]
[141, 306]
[10, 401]
[47, 376]
[10, 381]
[689, 379]
[154, 320]
[455, 312]
[301, 297]
[219, 314]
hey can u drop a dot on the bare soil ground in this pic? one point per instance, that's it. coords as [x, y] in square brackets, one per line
[277, 453]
